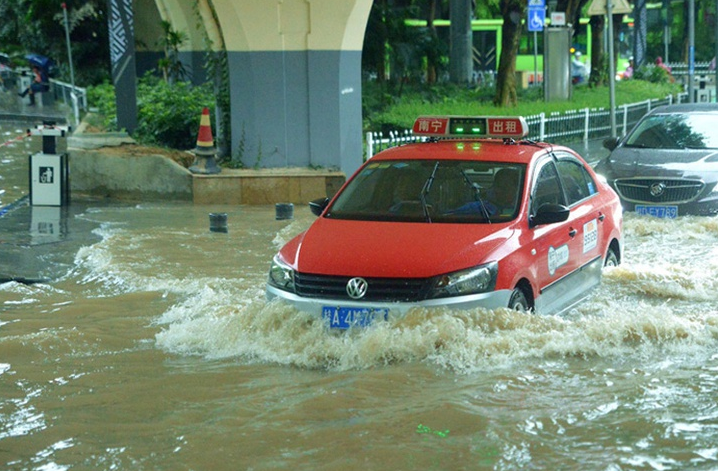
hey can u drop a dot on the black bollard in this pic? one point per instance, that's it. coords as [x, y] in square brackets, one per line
[218, 222]
[284, 211]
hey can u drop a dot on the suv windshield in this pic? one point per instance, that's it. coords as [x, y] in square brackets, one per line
[677, 131]
[432, 191]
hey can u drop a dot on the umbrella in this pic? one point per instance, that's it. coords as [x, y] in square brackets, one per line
[45, 63]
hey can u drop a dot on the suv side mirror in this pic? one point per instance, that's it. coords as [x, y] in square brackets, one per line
[318, 206]
[549, 213]
[611, 143]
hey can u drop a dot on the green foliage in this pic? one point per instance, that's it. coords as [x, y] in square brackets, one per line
[453, 100]
[394, 50]
[653, 74]
[38, 26]
[168, 114]
[102, 98]
[676, 17]
[170, 42]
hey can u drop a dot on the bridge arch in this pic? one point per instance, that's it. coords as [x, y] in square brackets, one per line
[294, 71]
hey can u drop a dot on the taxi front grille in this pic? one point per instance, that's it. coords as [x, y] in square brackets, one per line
[379, 289]
[658, 191]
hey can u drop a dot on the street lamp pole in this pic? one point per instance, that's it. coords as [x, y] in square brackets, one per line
[691, 48]
[611, 68]
[72, 68]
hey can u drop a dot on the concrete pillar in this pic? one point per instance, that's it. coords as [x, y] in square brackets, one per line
[295, 77]
[122, 56]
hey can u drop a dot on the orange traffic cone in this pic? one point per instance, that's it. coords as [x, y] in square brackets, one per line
[204, 151]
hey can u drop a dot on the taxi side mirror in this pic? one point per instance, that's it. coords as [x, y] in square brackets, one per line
[549, 213]
[318, 206]
[611, 143]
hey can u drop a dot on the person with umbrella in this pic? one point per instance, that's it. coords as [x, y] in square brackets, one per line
[40, 80]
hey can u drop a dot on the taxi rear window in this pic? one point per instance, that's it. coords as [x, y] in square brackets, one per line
[432, 191]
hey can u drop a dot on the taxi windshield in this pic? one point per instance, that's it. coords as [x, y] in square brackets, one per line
[432, 191]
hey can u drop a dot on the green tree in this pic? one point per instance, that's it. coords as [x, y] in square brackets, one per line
[37, 26]
[170, 42]
[512, 11]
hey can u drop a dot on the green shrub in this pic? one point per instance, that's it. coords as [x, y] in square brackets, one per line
[168, 115]
[653, 74]
[102, 98]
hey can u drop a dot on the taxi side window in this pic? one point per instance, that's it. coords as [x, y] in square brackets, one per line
[576, 181]
[548, 188]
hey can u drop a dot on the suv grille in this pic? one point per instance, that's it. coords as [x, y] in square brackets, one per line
[658, 190]
[380, 289]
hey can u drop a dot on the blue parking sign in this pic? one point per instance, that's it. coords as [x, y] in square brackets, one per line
[537, 18]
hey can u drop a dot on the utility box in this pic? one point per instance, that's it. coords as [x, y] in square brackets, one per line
[49, 171]
[557, 63]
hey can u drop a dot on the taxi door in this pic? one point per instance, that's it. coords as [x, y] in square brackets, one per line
[559, 255]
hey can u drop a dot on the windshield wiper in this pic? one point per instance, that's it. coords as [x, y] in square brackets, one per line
[425, 191]
[477, 196]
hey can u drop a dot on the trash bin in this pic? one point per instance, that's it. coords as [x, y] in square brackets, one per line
[49, 170]
[24, 81]
[48, 179]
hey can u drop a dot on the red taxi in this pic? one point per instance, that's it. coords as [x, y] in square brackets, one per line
[474, 216]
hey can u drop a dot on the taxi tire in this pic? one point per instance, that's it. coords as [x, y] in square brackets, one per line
[518, 301]
[611, 259]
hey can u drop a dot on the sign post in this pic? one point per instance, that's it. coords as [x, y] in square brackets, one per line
[536, 20]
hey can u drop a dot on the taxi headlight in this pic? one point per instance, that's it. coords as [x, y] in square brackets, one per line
[481, 279]
[281, 275]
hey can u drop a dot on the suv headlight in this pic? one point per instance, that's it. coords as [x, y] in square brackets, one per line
[474, 280]
[281, 275]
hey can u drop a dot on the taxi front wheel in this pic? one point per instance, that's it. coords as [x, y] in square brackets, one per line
[611, 259]
[518, 301]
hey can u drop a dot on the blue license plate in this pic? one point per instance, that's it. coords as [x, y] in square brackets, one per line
[664, 212]
[346, 317]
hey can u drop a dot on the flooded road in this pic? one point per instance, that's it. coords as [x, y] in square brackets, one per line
[150, 346]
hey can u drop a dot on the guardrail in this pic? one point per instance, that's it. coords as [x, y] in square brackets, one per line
[75, 96]
[570, 126]
[699, 68]
[64, 91]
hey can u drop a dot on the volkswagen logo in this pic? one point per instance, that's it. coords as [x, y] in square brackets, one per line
[356, 288]
[657, 189]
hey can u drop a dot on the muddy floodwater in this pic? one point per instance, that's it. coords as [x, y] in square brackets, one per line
[144, 342]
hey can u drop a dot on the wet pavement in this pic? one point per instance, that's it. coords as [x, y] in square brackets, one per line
[29, 235]
[38, 243]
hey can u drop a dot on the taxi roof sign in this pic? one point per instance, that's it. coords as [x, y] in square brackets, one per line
[502, 127]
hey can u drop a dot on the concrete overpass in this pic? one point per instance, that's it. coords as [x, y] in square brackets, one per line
[294, 71]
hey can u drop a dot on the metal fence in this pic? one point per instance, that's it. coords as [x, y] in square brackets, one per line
[64, 92]
[570, 126]
[75, 97]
